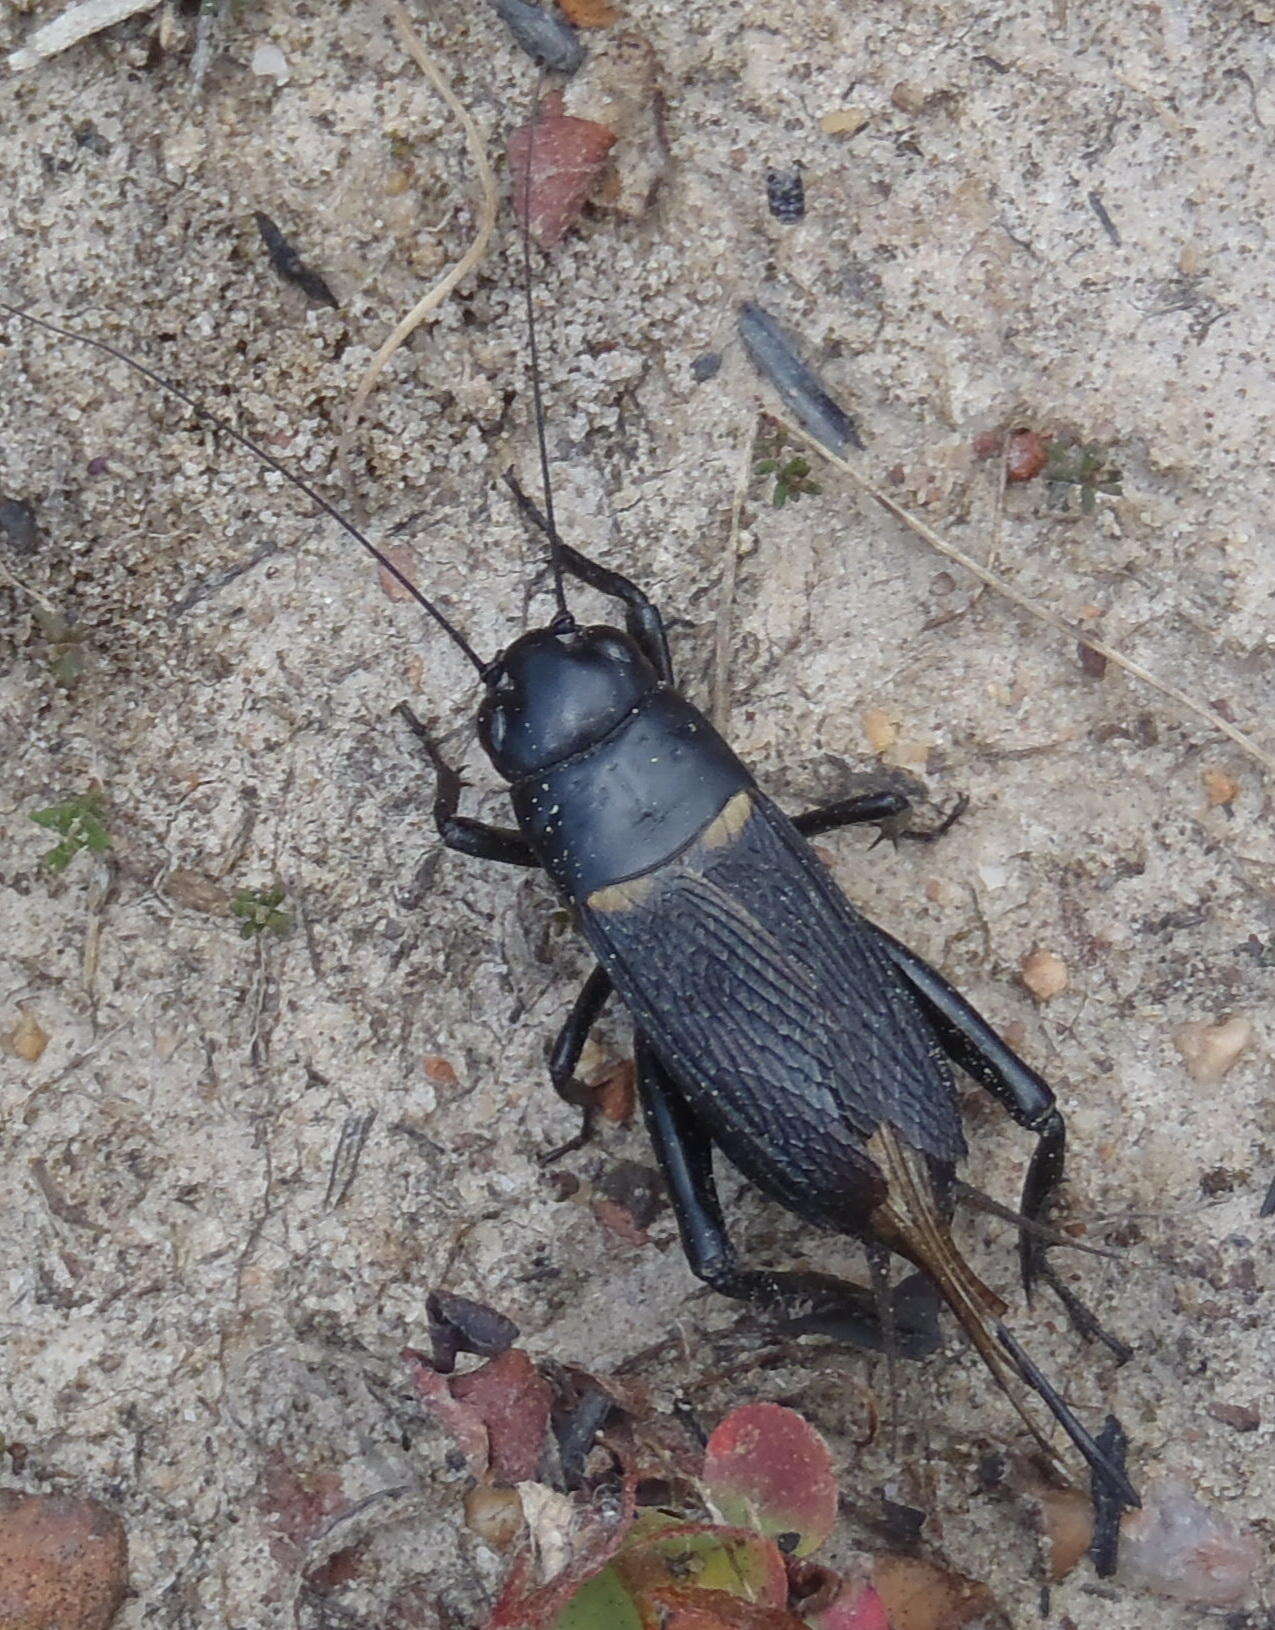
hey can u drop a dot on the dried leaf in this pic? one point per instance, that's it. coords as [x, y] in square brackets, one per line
[63, 1562]
[513, 1400]
[459, 1325]
[921, 1595]
[566, 156]
[590, 13]
[858, 1607]
[765, 1466]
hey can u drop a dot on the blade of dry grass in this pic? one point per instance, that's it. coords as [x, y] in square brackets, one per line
[1034, 608]
[435, 296]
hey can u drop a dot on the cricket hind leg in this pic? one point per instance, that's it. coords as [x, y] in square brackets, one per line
[798, 1303]
[968, 1040]
[460, 832]
[642, 616]
[565, 1055]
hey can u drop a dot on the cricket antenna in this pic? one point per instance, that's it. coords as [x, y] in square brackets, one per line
[166, 385]
[555, 552]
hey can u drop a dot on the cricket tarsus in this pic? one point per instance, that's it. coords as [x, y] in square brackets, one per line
[1104, 1465]
[268, 459]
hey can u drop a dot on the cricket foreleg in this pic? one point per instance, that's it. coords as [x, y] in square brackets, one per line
[460, 832]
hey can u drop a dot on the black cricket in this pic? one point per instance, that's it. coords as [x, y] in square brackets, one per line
[772, 1020]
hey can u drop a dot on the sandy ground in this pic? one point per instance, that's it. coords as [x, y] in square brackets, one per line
[193, 1328]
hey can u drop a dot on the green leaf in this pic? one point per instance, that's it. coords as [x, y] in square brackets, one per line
[601, 1603]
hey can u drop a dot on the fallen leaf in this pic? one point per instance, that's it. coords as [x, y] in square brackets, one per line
[859, 1607]
[590, 13]
[513, 1401]
[921, 1595]
[554, 161]
[765, 1466]
[1066, 1523]
[598, 1533]
[63, 1562]
[494, 1514]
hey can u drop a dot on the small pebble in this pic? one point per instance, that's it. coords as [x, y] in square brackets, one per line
[1179, 1548]
[440, 1071]
[63, 1562]
[495, 1515]
[28, 1039]
[1026, 454]
[1220, 788]
[1239, 1417]
[706, 367]
[1209, 1050]
[843, 122]
[1044, 974]
[880, 728]
[17, 522]
[269, 62]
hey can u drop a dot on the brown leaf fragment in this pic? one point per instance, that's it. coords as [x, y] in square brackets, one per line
[921, 1595]
[63, 1562]
[1066, 1523]
[513, 1401]
[590, 13]
[554, 162]
[615, 1093]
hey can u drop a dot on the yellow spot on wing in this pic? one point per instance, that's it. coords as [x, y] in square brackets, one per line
[730, 822]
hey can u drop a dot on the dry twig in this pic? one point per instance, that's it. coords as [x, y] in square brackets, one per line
[1034, 608]
[435, 296]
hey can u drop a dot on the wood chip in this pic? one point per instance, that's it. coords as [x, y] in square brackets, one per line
[76, 23]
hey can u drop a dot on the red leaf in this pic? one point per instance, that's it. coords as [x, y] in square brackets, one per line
[513, 1400]
[858, 1607]
[566, 156]
[766, 1467]
[463, 1422]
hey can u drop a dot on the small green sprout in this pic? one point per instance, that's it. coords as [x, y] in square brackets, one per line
[792, 478]
[1083, 465]
[258, 911]
[65, 642]
[79, 821]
